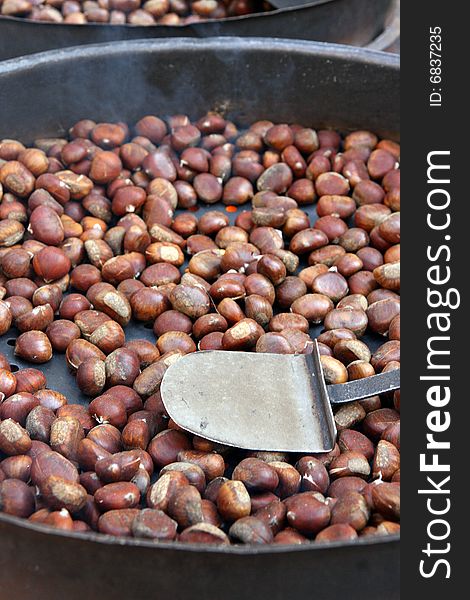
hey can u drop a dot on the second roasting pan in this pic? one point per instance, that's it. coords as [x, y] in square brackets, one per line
[355, 22]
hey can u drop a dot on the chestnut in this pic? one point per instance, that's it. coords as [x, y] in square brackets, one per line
[33, 346]
[51, 263]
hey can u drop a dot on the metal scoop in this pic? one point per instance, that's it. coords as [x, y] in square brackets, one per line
[276, 402]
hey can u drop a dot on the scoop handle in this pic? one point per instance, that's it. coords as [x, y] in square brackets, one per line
[340, 393]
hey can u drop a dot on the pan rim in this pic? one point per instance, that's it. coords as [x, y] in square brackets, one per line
[239, 550]
[325, 50]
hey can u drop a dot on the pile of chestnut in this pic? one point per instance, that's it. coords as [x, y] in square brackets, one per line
[104, 228]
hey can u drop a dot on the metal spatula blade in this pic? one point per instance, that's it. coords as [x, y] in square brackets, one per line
[273, 402]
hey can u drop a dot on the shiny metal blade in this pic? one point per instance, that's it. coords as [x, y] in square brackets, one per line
[252, 401]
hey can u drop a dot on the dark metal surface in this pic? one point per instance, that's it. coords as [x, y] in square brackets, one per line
[364, 388]
[313, 84]
[39, 562]
[355, 22]
[283, 80]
